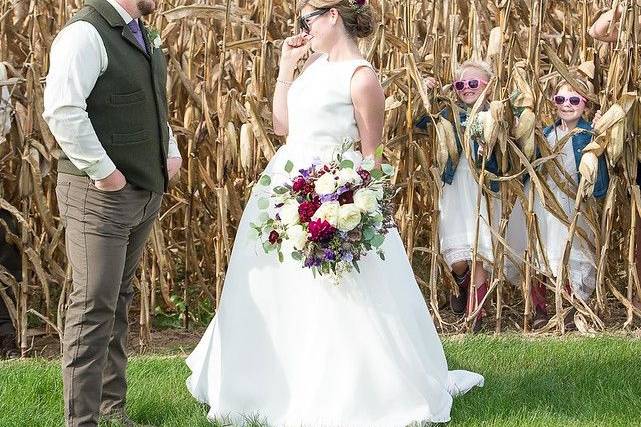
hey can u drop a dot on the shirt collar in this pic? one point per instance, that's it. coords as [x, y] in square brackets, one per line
[121, 10]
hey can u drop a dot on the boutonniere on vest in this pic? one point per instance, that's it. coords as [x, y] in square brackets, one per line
[154, 38]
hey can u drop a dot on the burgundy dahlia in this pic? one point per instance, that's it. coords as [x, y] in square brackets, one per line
[320, 230]
[307, 209]
[273, 237]
[299, 184]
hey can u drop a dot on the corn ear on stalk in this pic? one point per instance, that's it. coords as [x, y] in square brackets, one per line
[231, 144]
[246, 146]
[588, 170]
[493, 128]
[5, 105]
[614, 147]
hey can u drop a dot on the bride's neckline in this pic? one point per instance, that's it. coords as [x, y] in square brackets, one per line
[325, 57]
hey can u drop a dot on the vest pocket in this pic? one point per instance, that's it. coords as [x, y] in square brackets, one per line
[127, 98]
[130, 138]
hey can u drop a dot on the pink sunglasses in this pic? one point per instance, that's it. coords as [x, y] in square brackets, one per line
[460, 85]
[573, 100]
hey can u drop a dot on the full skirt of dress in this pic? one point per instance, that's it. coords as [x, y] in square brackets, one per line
[298, 350]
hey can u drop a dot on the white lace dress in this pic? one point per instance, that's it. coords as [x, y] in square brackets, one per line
[457, 221]
[300, 351]
[554, 234]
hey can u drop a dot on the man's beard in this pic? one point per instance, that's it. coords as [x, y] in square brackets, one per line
[146, 7]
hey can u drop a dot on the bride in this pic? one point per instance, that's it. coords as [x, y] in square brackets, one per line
[296, 350]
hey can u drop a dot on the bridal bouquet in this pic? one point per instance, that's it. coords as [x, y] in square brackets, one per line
[330, 215]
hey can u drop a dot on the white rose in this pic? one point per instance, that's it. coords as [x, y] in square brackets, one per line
[157, 42]
[326, 184]
[297, 235]
[348, 176]
[289, 213]
[355, 157]
[366, 200]
[349, 216]
[328, 211]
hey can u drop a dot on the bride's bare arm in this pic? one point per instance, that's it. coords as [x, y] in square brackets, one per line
[294, 48]
[369, 109]
[599, 29]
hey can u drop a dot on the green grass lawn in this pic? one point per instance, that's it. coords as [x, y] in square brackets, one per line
[529, 382]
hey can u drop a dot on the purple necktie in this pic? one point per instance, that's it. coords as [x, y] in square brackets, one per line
[135, 28]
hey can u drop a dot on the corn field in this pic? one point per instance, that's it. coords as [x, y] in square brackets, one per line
[223, 61]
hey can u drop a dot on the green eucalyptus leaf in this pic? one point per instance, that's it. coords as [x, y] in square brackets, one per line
[377, 240]
[379, 151]
[289, 166]
[347, 164]
[263, 203]
[387, 169]
[265, 180]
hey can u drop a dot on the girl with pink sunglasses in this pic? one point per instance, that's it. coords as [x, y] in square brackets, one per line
[570, 106]
[458, 207]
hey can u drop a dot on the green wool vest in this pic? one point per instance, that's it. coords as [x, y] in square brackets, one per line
[128, 105]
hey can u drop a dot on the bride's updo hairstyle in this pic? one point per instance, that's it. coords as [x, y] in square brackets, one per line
[357, 15]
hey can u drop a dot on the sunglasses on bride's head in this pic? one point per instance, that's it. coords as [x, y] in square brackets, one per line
[305, 19]
[573, 100]
[460, 85]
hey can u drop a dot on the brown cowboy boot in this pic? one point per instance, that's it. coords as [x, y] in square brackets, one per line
[458, 303]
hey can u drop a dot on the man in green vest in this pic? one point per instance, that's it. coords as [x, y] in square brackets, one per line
[105, 103]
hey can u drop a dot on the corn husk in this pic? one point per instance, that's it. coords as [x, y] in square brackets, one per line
[247, 143]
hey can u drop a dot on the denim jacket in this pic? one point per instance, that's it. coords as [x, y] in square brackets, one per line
[491, 163]
[579, 142]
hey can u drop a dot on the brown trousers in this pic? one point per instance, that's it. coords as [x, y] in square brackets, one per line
[105, 237]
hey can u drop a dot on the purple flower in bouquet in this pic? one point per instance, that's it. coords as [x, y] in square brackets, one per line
[329, 198]
[342, 189]
[305, 173]
[320, 230]
[347, 257]
[329, 255]
[312, 261]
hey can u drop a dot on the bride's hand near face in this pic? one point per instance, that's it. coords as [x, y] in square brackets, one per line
[293, 50]
[369, 109]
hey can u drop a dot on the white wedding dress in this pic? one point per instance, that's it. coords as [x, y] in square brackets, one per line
[296, 350]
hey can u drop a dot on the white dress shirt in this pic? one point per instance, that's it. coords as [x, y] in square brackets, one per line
[78, 58]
